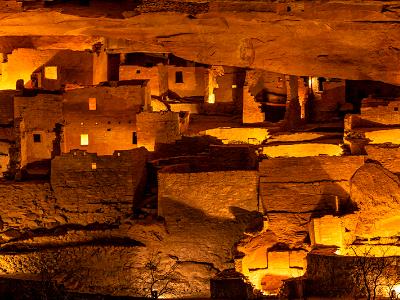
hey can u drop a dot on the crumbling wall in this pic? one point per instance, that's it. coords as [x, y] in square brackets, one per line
[77, 194]
[380, 112]
[375, 113]
[35, 126]
[158, 81]
[21, 63]
[74, 67]
[7, 107]
[157, 128]
[326, 103]
[267, 86]
[106, 188]
[377, 124]
[251, 109]
[110, 126]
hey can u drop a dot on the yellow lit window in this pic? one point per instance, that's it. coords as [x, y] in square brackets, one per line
[211, 98]
[84, 139]
[234, 86]
[50, 72]
[94, 166]
[92, 104]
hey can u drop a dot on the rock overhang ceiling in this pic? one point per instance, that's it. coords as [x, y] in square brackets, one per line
[330, 39]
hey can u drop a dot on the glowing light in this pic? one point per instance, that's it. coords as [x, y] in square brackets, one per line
[211, 98]
[84, 139]
[50, 72]
[396, 288]
[92, 104]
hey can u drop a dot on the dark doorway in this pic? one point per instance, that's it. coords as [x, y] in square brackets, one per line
[179, 77]
[134, 138]
[274, 112]
[113, 67]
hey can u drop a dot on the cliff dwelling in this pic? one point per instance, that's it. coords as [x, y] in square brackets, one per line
[175, 149]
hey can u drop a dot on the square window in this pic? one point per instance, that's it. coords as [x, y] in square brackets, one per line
[396, 109]
[179, 77]
[51, 72]
[37, 138]
[84, 139]
[137, 71]
[134, 138]
[92, 104]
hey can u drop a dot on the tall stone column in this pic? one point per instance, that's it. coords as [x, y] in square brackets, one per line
[293, 109]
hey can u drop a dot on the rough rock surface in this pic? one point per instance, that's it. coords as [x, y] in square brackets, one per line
[375, 188]
[332, 39]
[376, 193]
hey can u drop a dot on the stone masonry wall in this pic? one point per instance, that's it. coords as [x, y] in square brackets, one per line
[305, 184]
[110, 126]
[295, 190]
[6, 107]
[98, 188]
[157, 128]
[386, 113]
[251, 109]
[37, 116]
[157, 76]
[206, 213]
[193, 81]
[77, 194]
[389, 157]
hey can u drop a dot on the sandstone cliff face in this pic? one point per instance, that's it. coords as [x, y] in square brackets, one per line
[375, 191]
[332, 39]
[375, 188]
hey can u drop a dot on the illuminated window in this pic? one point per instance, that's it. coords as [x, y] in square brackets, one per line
[94, 166]
[50, 72]
[211, 98]
[84, 139]
[37, 138]
[178, 77]
[92, 104]
[234, 86]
